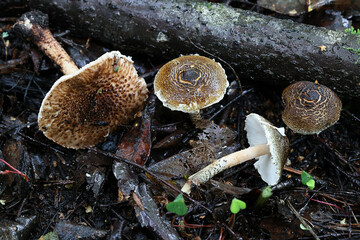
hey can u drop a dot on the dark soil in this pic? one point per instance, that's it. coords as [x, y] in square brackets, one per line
[59, 190]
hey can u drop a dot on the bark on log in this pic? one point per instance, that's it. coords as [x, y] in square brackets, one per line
[9, 6]
[260, 48]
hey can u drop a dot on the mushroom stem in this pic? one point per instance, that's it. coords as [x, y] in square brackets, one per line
[34, 25]
[198, 121]
[225, 162]
[195, 117]
[52, 48]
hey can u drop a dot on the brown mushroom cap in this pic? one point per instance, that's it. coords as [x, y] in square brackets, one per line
[190, 83]
[82, 108]
[310, 107]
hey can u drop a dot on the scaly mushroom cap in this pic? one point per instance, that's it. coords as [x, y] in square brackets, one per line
[309, 107]
[190, 83]
[82, 108]
[261, 131]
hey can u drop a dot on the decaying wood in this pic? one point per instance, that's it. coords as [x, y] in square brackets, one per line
[260, 48]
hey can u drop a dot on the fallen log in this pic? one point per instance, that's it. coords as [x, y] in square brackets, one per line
[10, 7]
[260, 48]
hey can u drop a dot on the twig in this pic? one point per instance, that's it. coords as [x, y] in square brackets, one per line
[302, 220]
[337, 154]
[53, 182]
[190, 225]
[334, 199]
[13, 170]
[28, 86]
[322, 202]
[111, 155]
[231, 231]
[21, 207]
[41, 143]
[51, 222]
[352, 115]
[298, 172]
[292, 170]
[230, 102]
[351, 178]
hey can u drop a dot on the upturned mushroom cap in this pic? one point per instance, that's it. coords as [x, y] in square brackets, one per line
[310, 107]
[261, 131]
[190, 83]
[82, 108]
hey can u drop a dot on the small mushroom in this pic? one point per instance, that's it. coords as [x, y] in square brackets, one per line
[82, 108]
[190, 83]
[267, 143]
[310, 107]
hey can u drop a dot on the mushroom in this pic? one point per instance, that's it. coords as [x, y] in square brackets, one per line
[190, 83]
[84, 105]
[310, 107]
[268, 144]
[82, 108]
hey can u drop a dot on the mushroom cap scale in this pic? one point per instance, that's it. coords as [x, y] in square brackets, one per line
[82, 108]
[190, 83]
[261, 131]
[310, 107]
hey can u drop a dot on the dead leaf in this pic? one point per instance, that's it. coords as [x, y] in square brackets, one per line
[136, 144]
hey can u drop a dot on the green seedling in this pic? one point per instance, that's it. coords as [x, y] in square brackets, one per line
[6, 42]
[5, 35]
[302, 227]
[50, 236]
[353, 32]
[307, 180]
[177, 206]
[237, 205]
[266, 193]
[357, 33]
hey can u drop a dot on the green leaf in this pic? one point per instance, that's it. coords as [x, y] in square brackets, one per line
[237, 205]
[350, 30]
[5, 35]
[303, 227]
[50, 236]
[267, 192]
[177, 206]
[307, 180]
[311, 184]
[356, 33]
[305, 177]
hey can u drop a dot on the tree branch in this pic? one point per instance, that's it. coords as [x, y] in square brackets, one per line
[260, 48]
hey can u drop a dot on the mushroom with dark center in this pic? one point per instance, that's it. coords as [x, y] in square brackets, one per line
[190, 83]
[267, 143]
[310, 107]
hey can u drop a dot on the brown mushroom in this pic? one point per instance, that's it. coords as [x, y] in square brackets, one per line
[82, 108]
[310, 107]
[190, 83]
